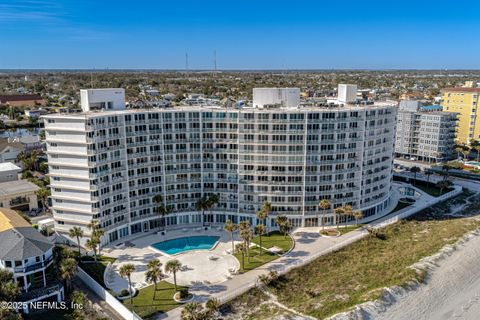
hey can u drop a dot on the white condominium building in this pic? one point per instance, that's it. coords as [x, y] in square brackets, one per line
[109, 164]
[425, 132]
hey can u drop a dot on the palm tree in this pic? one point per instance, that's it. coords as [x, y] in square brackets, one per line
[154, 273]
[477, 148]
[173, 266]
[126, 272]
[247, 234]
[76, 232]
[98, 234]
[212, 201]
[212, 305]
[202, 205]
[415, 170]
[443, 184]
[92, 244]
[231, 227]
[68, 270]
[161, 208]
[324, 205]
[283, 224]
[458, 150]
[348, 211]
[358, 214]
[446, 171]
[43, 194]
[428, 173]
[339, 212]
[192, 311]
[242, 249]
[9, 289]
[260, 230]
[466, 153]
[264, 212]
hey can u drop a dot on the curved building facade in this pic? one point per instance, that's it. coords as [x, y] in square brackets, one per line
[108, 165]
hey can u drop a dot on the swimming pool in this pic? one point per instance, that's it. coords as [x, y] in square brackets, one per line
[179, 245]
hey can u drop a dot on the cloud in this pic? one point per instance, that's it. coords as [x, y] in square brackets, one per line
[30, 11]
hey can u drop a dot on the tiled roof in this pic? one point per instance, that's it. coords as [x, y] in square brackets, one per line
[19, 97]
[18, 239]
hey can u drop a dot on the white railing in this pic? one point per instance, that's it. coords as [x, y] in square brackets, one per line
[107, 297]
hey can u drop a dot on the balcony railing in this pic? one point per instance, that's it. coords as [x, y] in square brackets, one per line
[34, 266]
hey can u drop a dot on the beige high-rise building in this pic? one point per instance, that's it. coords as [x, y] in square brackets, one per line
[464, 101]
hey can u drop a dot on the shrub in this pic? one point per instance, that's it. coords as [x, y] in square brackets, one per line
[124, 293]
[183, 293]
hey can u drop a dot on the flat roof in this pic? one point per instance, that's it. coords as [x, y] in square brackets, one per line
[8, 166]
[301, 108]
[17, 186]
[461, 89]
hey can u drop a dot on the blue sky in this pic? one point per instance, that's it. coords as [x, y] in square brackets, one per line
[245, 34]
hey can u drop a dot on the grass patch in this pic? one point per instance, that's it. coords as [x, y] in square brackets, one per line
[256, 259]
[357, 273]
[96, 270]
[146, 306]
[347, 229]
[275, 238]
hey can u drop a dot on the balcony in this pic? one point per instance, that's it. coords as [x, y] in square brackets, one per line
[35, 266]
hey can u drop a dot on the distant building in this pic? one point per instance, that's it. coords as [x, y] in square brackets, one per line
[35, 113]
[22, 100]
[8, 172]
[29, 256]
[464, 101]
[424, 133]
[10, 149]
[19, 195]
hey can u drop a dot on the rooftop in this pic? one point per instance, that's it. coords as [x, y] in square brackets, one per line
[8, 166]
[461, 89]
[19, 97]
[18, 239]
[17, 187]
[301, 108]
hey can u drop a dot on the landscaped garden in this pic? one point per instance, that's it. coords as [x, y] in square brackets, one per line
[257, 257]
[359, 272]
[147, 302]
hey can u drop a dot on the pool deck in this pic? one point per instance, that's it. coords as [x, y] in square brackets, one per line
[201, 267]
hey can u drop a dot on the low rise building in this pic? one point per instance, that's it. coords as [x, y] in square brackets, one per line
[29, 256]
[21, 100]
[10, 149]
[8, 172]
[19, 195]
[424, 133]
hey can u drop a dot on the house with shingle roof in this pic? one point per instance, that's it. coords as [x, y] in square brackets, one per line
[28, 254]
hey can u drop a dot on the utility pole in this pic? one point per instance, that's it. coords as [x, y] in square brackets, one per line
[186, 62]
[215, 60]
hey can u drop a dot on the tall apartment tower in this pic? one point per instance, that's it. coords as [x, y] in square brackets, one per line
[424, 132]
[108, 165]
[464, 101]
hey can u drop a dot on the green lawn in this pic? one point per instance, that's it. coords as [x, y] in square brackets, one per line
[146, 306]
[347, 229]
[256, 259]
[359, 272]
[275, 238]
[96, 270]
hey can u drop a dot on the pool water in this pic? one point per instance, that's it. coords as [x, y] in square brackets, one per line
[179, 245]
